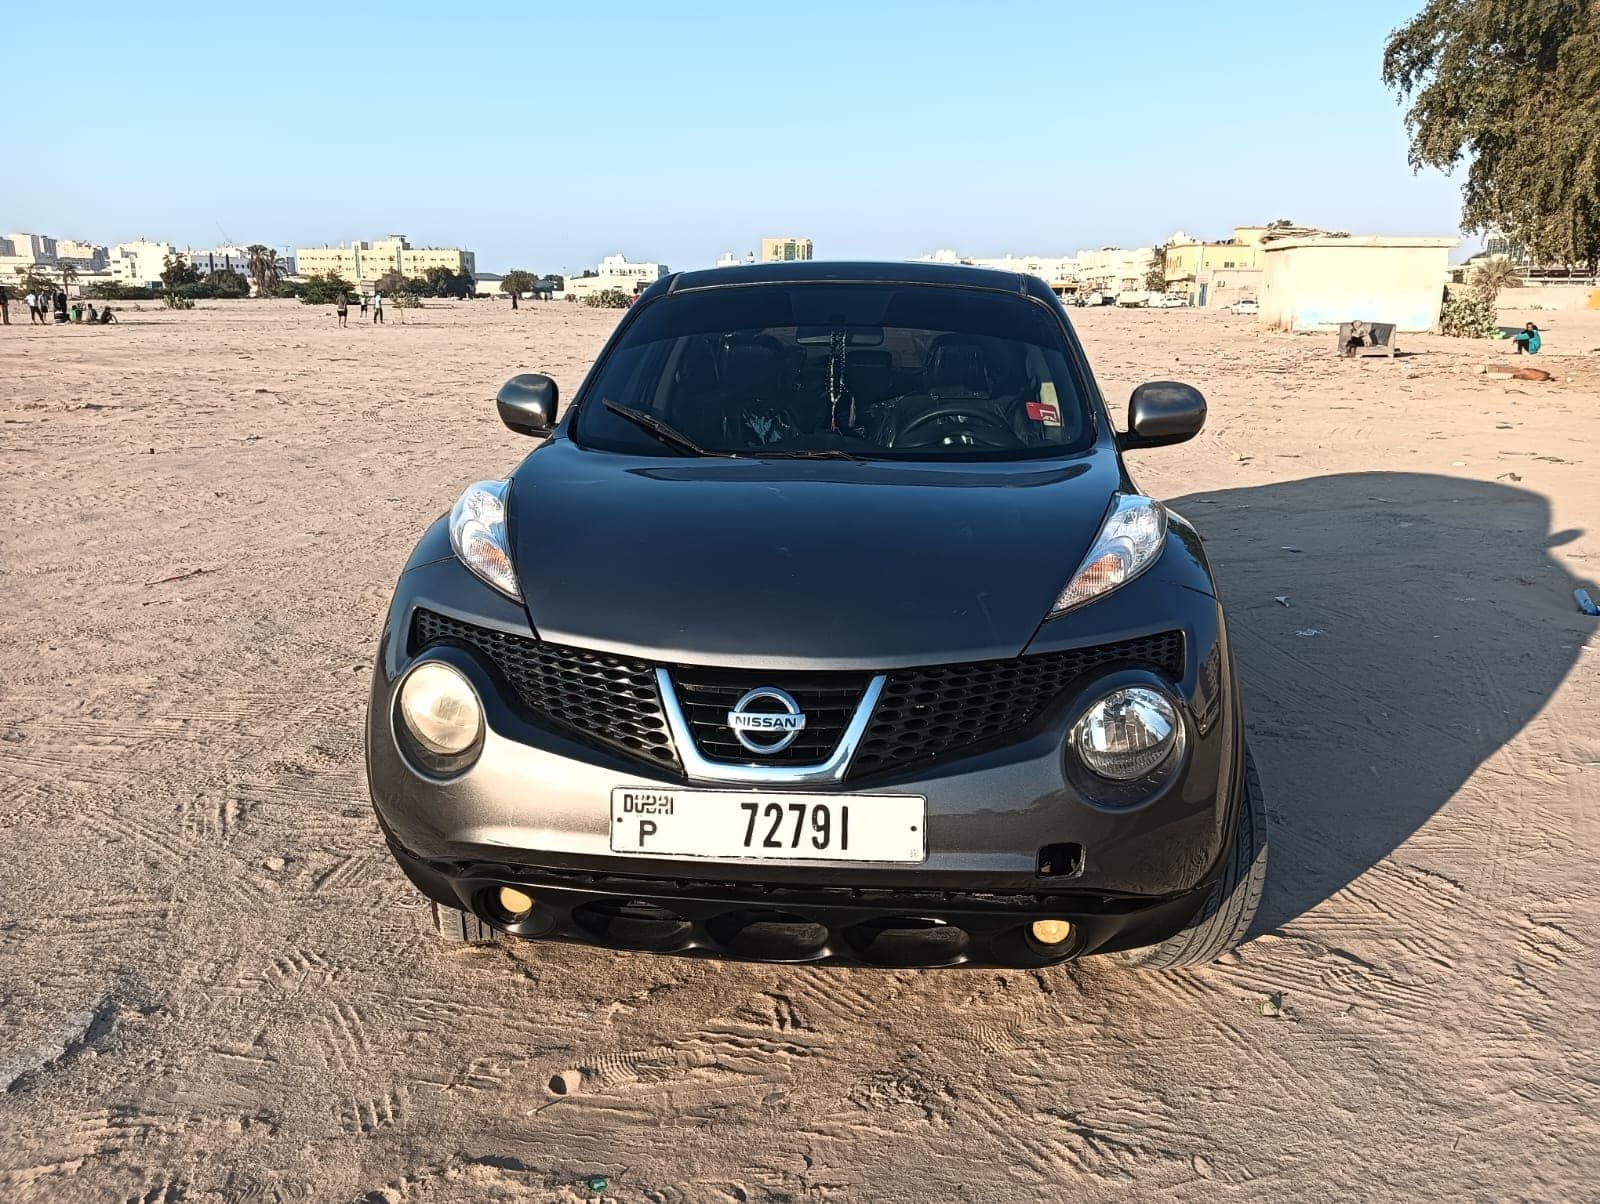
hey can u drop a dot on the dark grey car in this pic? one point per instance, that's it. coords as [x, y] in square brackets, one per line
[825, 624]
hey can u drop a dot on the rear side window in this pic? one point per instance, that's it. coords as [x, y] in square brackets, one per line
[872, 370]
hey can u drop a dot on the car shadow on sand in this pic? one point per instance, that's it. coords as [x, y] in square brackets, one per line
[1393, 631]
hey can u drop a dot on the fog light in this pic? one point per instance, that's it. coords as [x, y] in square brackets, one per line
[1051, 932]
[1127, 733]
[440, 709]
[515, 903]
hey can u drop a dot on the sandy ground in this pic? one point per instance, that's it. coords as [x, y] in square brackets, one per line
[213, 986]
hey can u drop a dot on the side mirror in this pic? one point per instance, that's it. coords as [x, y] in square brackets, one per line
[527, 403]
[1162, 412]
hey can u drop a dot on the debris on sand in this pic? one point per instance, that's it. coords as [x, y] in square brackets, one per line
[177, 577]
[1585, 602]
[1272, 1005]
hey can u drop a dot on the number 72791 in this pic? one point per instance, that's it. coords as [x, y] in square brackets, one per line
[783, 825]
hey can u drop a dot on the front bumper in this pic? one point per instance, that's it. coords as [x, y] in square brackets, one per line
[1010, 839]
[903, 928]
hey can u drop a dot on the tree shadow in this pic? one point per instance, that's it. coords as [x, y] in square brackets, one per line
[1427, 623]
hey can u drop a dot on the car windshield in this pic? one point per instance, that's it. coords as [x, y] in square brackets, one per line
[878, 371]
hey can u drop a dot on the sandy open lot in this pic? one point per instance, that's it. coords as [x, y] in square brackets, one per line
[212, 981]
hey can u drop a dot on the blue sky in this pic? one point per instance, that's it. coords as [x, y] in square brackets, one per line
[544, 136]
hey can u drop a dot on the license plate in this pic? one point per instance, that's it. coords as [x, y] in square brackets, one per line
[785, 827]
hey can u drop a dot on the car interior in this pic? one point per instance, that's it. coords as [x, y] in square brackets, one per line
[889, 389]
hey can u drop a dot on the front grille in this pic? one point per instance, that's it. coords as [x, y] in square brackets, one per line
[926, 713]
[828, 701]
[922, 715]
[600, 698]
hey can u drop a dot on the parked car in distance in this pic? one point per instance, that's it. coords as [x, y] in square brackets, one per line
[1168, 301]
[1246, 305]
[826, 624]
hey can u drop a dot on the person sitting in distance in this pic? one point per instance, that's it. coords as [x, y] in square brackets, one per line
[1527, 340]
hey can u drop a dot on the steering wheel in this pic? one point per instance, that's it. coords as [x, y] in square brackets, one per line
[970, 416]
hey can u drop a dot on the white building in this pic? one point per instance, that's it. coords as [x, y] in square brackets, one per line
[233, 259]
[1058, 271]
[1113, 269]
[140, 262]
[616, 272]
[1109, 270]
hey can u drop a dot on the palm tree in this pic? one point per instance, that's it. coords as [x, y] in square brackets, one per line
[263, 268]
[1490, 275]
[68, 275]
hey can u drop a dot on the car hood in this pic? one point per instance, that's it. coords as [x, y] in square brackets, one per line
[794, 563]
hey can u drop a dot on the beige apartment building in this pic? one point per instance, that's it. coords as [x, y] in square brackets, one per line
[86, 256]
[369, 261]
[1216, 273]
[785, 250]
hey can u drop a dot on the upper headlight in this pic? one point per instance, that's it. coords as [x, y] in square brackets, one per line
[478, 535]
[1129, 542]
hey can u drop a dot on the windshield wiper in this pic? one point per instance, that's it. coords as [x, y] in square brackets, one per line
[665, 432]
[821, 453]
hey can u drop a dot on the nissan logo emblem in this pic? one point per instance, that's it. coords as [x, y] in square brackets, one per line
[766, 720]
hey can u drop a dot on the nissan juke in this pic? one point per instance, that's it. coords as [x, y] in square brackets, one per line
[825, 623]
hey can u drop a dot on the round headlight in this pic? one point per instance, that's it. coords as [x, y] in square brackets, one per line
[1127, 733]
[440, 709]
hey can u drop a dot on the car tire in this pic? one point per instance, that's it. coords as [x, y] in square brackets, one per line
[1224, 920]
[457, 927]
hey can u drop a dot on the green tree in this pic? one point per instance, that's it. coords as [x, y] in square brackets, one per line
[324, 289]
[1510, 86]
[179, 279]
[1155, 276]
[263, 268]
[222, 283]
[177, 272]
[35, 279]
[517, 281]
[115, 290]
[442, 282]
[609, 298]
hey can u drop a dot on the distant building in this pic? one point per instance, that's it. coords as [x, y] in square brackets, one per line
[1317, 281]
[727, 260]
[139, 262]
[1112, 270]
[785, 250]
[487, 284]
[85, 256]
[361, 262]
[20, 253]
[225, 259]
[615, 272]
[36, 248]
[1215, 273]
[1060, 272]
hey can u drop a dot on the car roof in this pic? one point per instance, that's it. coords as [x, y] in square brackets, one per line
[859, 271]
